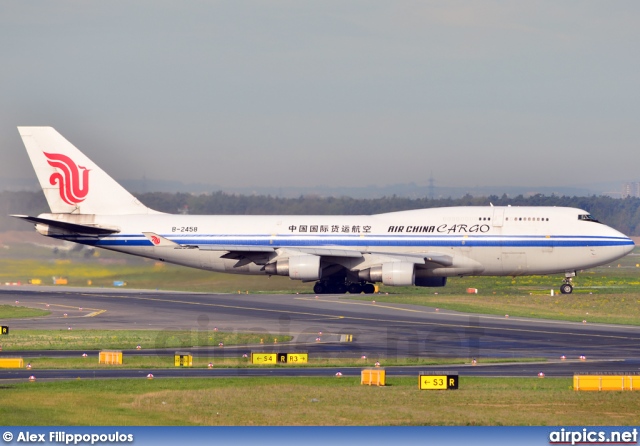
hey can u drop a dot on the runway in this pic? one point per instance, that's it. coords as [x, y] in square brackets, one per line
[374, 329]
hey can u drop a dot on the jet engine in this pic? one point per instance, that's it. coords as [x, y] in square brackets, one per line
[393, 274]
[399, 274]
[303, 267]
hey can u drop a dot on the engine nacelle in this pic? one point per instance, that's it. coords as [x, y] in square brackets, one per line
[279, 268]
[304, 267]
[393, 274]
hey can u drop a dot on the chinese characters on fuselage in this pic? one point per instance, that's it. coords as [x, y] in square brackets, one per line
[406, 229]
[356, 229]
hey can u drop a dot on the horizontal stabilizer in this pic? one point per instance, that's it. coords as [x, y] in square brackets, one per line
[69, 227]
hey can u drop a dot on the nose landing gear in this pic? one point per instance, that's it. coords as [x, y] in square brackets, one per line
[567, 287]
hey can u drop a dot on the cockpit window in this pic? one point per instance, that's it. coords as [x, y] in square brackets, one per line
[587, 217]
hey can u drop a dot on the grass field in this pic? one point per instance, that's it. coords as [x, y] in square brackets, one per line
[138, 273]
[17, 311]
[600, 308]
[138, 361]
[618, 278]
[312, 401]
[127, 339]
[606, 294]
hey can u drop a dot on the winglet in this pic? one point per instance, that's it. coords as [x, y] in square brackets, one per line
[159, 241]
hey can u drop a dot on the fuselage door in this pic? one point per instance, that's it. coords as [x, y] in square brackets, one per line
[498, 216]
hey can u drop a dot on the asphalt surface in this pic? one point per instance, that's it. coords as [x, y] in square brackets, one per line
[346, 328]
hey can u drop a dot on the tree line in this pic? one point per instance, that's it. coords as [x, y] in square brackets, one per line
[621, 214]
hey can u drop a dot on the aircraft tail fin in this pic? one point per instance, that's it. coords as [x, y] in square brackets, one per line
[71, 182]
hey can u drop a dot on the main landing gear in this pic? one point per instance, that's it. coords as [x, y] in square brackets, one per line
[340, 287]
[567, 287]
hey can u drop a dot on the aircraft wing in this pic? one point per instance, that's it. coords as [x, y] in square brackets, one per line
[429, 259]
[258, 254]
[232, 250]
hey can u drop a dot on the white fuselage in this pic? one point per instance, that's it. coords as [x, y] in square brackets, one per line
[341, 253]
[496, 241]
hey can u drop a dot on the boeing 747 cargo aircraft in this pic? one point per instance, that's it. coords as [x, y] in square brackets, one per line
[340, 253]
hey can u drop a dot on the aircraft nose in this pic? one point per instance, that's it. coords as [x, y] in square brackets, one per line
[628, 248]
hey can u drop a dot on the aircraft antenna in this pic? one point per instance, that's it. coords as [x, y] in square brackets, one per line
[431, 186]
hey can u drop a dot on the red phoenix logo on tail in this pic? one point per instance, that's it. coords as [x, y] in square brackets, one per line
[73, 189]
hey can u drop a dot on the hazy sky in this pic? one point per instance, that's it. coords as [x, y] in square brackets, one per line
[340, 93]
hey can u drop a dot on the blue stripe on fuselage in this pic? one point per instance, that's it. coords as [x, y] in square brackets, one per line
[357, 240]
